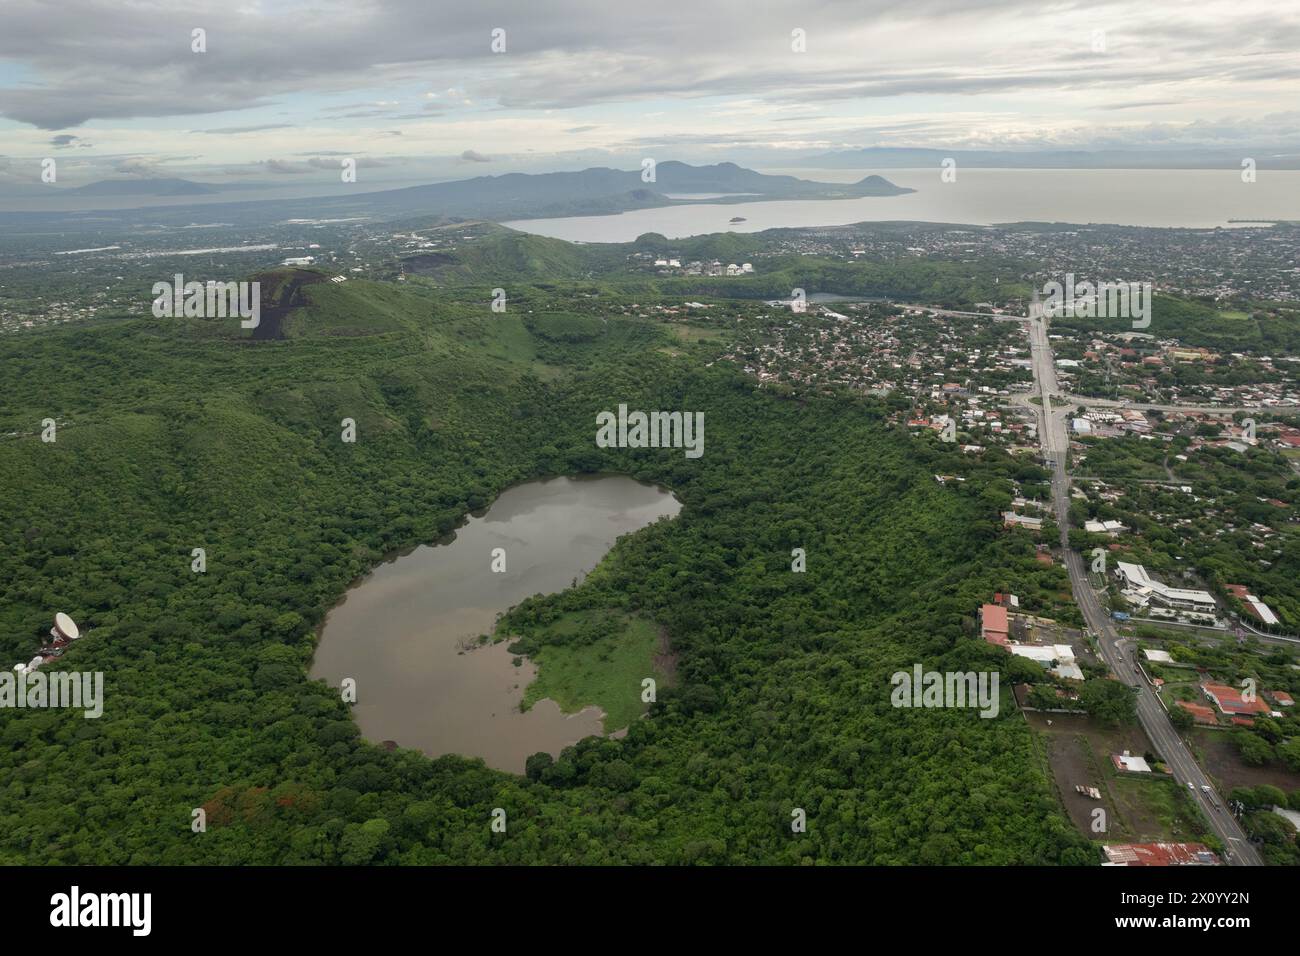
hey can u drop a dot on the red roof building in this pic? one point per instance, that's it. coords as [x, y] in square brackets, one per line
[993, 624]
[1202, 714]
[1229, 700]
[1160, 854]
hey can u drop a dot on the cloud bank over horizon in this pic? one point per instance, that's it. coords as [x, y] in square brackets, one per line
[432, 90]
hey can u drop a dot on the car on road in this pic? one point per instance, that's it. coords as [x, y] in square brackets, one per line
[1191, 786]
[1205, 788]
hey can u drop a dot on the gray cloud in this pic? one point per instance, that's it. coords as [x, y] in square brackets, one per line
[222, 130]
[136, 166]
[284, 167]
[334, 165]
[473, 156]
[101, 60]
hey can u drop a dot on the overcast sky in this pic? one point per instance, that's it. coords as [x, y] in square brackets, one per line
[412, 87]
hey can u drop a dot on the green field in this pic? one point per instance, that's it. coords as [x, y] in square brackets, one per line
[607, 672]
[696, 333]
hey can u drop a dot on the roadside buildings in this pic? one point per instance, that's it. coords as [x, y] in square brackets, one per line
[1230, 701]
[1140, 589]
[1159, 854]
[1253, 605]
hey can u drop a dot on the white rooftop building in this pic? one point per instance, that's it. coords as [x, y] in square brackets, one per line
[1104, 527]
[1058, 658]
[1144, 586]
[1126, 761]
[1264, 612]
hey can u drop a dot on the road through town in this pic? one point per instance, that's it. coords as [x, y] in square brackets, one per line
[1164, 738]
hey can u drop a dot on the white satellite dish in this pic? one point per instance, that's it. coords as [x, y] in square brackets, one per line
[66, 626]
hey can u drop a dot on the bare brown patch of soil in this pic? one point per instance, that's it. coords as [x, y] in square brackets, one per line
[665, 658]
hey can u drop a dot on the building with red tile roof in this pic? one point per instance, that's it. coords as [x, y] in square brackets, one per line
[993, 624]
[1230, 702]
[1202, 714]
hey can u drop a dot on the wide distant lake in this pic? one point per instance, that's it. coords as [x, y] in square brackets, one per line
[1197, 198]
[401, 631]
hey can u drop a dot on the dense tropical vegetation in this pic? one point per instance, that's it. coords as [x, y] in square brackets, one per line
[180, 434]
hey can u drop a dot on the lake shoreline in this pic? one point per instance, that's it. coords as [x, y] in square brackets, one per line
[404, 630]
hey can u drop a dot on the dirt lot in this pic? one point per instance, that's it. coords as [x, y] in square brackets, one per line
[1218, 755]
[1139, 808]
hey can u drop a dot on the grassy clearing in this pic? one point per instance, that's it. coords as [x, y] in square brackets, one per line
[1139, 808]
[695, 333]
[606, 672]
[1156, 809]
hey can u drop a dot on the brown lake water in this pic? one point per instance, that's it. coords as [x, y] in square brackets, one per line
[400, 631]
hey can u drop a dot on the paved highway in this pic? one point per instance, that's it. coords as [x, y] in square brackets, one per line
[1164, 738]
[1072, 401]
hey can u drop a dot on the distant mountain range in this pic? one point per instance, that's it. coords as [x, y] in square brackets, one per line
[602, 190]
[595, 191]
[147, 187]
[888, 157]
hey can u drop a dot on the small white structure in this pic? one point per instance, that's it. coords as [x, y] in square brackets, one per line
[1127, 761]
[65, 627]
[1025, 521]
[1160, 657]
[298, 261]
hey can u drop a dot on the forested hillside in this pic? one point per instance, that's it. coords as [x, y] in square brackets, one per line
[182, 434]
